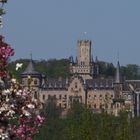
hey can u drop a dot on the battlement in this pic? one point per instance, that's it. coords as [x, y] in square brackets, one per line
[84, 42]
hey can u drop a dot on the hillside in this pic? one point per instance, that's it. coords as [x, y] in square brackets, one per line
[54, 68]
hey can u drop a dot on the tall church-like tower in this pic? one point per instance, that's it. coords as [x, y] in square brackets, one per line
[83, 65]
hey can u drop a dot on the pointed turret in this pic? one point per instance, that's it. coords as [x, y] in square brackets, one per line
[30, 68]
[96, 59]
[34, 75]
[118, 101]
[71, 59]
[91, 59]
[117, 78]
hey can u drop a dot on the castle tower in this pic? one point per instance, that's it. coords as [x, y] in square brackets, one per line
[83, 66]
[84, 52]
[31, 79]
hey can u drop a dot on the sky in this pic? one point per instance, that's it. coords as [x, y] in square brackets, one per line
[50, 28]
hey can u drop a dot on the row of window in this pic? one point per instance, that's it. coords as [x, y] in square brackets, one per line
[106, 96]
[55, 97]
[82, 71]
[100, 106]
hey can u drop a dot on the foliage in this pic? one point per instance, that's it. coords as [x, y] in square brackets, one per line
[18, 109]
[52, 68]
[106, 69]
[60, 68]
[82, 124]
[5, 52]
[53, 125]
[131, 71]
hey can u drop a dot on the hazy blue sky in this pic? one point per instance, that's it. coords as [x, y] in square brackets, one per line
[51, 28]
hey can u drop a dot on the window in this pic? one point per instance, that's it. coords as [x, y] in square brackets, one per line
[60, 105]
[54, 96]
[71, 89]
[100, 97]
[60, 97]
[89, 106]
[35, 95]
[35, 82]
[49, 96]
[106, 96]
[100, 106]
[95, 106]
[118, 105]
[75, 84]
[65, 96]
[43, 97]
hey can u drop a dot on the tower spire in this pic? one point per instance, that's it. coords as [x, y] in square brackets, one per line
[117, 78]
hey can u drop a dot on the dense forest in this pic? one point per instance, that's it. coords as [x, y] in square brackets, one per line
[54, 68]
[81, 124]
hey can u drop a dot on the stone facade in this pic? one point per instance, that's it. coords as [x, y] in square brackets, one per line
[84, 86]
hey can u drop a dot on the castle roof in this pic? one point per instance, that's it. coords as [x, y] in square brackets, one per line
[55, 84]
[134, 83]
[90, 84]
[100, 83]
[30, 70]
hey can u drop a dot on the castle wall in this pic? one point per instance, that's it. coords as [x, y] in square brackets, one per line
[60, 95]
[100, 100]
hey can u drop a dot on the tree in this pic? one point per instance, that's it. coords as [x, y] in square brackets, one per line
[51, 110]
[18, 110]
[131, 71]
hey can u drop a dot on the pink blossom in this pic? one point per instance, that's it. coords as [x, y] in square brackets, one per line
[16, 102]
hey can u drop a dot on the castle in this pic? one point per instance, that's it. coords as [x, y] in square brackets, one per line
[84, 86]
